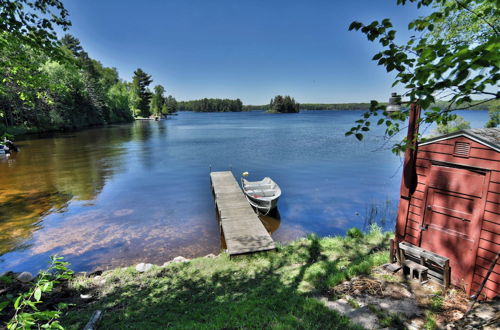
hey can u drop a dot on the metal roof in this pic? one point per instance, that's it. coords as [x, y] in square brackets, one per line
[487, 136]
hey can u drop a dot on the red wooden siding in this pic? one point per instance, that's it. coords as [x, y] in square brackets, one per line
[472, 194]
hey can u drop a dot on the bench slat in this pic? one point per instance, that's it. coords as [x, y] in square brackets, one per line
[419, 252]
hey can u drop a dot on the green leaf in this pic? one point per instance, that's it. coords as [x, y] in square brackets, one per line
[16, 303]
[3, 304]
[359, 136]
[38, 294]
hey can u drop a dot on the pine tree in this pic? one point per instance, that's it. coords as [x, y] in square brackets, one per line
[140, 83]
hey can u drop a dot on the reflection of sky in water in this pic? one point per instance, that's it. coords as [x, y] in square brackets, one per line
[141, 192]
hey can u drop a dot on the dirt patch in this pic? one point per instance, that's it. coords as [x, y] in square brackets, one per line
[394, 298]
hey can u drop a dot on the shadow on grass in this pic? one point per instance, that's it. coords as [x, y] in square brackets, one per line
[249, 292]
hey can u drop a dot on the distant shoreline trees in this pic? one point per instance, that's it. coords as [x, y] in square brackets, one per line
[492, 106]
[284, 104]
[211, 105]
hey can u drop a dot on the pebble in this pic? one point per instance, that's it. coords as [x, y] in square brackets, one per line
[142, 267]
[85, 296]
[25, 277]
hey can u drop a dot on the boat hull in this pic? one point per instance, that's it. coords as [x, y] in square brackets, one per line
[262, 195]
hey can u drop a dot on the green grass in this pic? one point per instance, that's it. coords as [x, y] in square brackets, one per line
[430, 321]
[268, 290]
[436, 302]
[387, 319]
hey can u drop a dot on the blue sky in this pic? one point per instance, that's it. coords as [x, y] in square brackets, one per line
[247, 49]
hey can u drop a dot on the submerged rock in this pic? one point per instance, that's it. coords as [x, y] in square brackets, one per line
[25, 277]
[142, 267]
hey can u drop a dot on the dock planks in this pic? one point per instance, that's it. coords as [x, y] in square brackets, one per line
[242, 228]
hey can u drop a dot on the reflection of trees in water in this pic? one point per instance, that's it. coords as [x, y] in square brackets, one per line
[146, 134]
[20, 214]
[381, 213]
[48, 172]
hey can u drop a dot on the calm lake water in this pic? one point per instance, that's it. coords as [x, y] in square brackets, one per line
[125, 194]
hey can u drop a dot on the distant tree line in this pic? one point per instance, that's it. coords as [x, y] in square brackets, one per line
[50, 83]
[336, 106]
[316, 106]
[283, 104]
[211, 105]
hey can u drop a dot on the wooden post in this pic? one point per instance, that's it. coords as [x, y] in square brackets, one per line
[446, 274]
[391, 250]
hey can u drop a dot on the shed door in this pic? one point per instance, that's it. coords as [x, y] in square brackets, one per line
[451, 224]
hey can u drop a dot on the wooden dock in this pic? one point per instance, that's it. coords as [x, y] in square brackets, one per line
[242, 228]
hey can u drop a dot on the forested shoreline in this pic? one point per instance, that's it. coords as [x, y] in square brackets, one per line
[493, 106]
[211, 105]
[50, 83]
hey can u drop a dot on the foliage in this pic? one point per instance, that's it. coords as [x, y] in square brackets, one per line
[161, 105]
[476, 105]
[41, 92]
[436, 62]
[169, 105]
[33, 23]
[457, 124]
[355, 233]
[157, 100]
[494, 120]
[211, 105]
[26, 313]
[140, 83]
[283, 104]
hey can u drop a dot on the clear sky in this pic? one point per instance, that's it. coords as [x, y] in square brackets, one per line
[247, 49]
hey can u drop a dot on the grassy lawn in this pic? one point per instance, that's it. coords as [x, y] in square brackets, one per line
[267, 290]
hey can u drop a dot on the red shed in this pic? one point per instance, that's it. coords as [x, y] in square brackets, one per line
[453, 208]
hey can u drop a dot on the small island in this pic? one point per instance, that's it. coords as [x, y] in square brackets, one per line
[283, 104]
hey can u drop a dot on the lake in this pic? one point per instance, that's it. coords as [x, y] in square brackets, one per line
[120, 195]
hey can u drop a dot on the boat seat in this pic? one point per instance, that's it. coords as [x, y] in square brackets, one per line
[260, 186]
[262, 193]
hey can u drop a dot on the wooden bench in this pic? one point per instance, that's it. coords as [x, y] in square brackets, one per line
[428, 264]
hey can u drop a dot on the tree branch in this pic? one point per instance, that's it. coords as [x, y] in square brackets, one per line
[478, 16]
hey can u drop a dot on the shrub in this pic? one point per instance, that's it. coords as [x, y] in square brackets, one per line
[355, 233]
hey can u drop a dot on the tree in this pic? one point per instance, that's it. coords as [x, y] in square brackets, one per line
[72, 44]
[494, 120]
[458, 124]
[283, 104]
[170, 105]
[157, 100]
[32, 22]
[438, 62]
[494, 115]
[140, 83]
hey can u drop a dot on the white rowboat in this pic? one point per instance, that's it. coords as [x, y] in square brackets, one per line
[263, 194]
